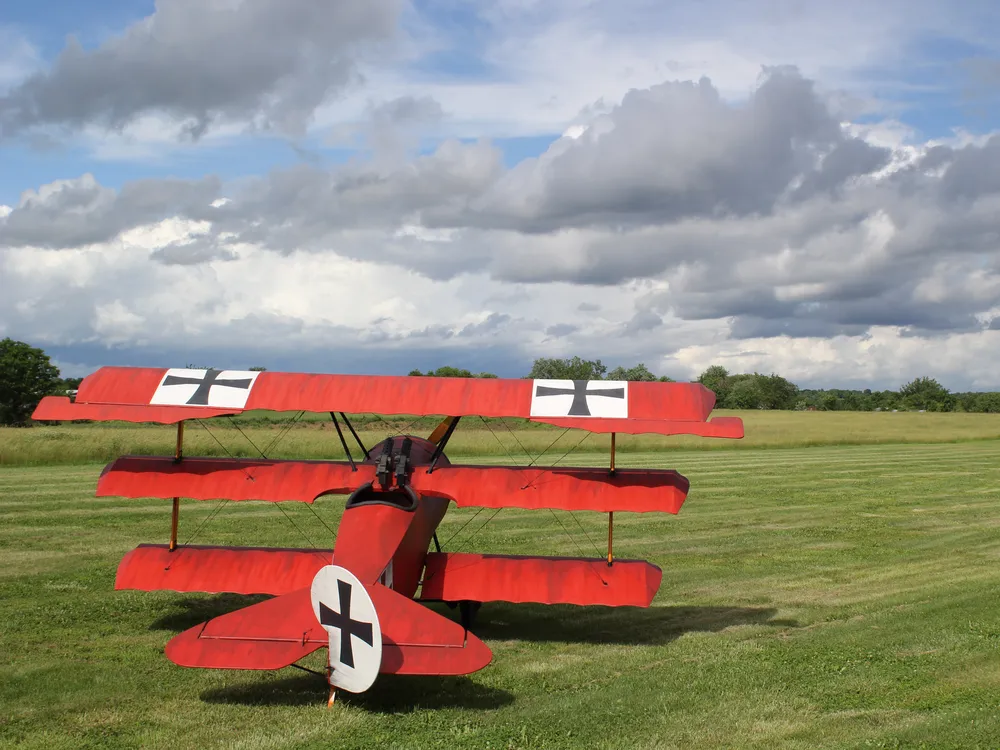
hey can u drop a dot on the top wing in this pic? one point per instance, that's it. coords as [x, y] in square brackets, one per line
[137, 394]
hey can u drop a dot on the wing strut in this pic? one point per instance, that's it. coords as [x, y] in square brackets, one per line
[340, 434]
[364, 451]
[439, 451]
[176, 511]
[611, 513]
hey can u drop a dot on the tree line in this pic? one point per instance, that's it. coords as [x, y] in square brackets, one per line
[27, 374]
[758, 391]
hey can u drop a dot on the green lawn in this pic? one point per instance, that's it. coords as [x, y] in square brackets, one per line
[313, 437]
[836, 596]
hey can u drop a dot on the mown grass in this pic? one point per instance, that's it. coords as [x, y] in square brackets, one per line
[842, 596]
[315, 438]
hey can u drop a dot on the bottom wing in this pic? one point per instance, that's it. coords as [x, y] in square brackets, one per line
[457, 576]
[213, 570]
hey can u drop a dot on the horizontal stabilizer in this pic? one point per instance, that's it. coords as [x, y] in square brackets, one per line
[416, 640]
[268, 635]
[278, 632]
[213, 570]
[632, 490]
[457, 576]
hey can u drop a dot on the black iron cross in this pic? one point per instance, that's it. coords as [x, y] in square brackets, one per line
[579, 393]
[343, 622]
[200, 397]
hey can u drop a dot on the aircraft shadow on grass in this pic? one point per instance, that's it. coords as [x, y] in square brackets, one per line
[398, 694]
[495, 621]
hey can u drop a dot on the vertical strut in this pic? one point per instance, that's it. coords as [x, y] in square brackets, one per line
[611, 528]
[611, 514]
[176, 510]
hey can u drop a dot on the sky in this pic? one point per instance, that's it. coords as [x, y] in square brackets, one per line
[788, 186]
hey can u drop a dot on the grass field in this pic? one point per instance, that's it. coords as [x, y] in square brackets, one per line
[313, 437]
[836, 595]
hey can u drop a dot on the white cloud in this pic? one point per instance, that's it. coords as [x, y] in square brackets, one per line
[668, 225]
[885, 357]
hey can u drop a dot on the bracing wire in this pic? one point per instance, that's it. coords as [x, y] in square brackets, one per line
[473, 518]
[497, 437]
[575, 544]
[239, 430]
[281, 434]
[483, 526]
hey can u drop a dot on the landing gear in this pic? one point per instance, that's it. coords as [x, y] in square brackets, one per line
[467, 611]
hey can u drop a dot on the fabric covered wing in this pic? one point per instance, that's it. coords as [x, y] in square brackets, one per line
[162, 395]
[633, 490]
[58, 408]
[454, 576]
[229, 479]
[211, 569]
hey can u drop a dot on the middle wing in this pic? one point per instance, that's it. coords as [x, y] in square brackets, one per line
[635, 490]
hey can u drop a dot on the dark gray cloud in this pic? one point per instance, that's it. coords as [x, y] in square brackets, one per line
[192, 253]
[352, 356]
[766, 214]
[643, 320]
[493, 323]
[561, 329]
[391, 129]
[678, 150]
[265, 63]
[71, 213]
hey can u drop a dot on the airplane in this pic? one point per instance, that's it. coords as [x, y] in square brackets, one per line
[364, 600]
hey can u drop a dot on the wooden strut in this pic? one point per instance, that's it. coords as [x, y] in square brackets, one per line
[611, 527]
[611, 514]
[175, 515]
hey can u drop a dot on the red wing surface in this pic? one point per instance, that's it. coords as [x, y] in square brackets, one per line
[451, 576]
[170, 395]
[634, 490]
[237, 570]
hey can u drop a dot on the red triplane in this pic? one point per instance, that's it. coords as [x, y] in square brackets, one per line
[363, 602]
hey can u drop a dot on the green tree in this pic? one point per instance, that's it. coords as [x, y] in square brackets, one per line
[633, 374]
[925, 393]
[567, 369]
[743, 393]
[26, 375]
[775, 392]
[987, 402]
[716, 379]
[257, 368]
[451, 372]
